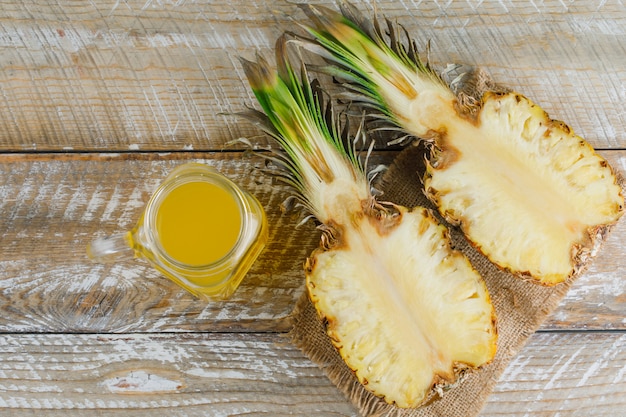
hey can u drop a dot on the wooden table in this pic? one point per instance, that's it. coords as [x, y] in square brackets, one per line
[100, 100]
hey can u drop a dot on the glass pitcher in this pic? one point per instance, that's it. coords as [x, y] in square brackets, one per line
[199, 229]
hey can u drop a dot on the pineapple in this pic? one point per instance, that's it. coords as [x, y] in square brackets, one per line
[532, 196]
[407, 313]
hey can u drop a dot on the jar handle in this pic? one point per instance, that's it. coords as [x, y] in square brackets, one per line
[111, 248]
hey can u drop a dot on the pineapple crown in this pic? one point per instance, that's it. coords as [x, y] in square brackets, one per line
[317, 149]
[379, 66]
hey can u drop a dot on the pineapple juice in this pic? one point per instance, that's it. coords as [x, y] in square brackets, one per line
[202, 231]
[198, 223]
[199, 229]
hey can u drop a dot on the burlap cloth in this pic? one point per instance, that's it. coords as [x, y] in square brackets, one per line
[521, 306]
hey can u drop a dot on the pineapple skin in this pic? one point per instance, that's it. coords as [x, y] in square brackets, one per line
[407, 313]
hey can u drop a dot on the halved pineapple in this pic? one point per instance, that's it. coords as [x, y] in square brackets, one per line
[406, 311]
[526, 191]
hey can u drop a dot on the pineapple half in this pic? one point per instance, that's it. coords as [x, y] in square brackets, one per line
[407, 313]
[526, 191]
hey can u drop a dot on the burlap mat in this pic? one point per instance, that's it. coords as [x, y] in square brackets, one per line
[520, 306]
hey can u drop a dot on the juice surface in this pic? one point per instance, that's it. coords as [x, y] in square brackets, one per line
[198, 223]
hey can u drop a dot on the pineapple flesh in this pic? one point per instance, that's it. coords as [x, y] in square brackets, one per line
[532, 196]
[408, 314]
[405, 311]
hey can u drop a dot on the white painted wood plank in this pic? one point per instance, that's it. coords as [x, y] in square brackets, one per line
[156, 75]
[176, 375]
[556, 374]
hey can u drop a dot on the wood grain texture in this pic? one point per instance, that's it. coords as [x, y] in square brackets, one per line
[174, 375]
[51, 206]
[127, 75]
[563, 374]
[147, 75]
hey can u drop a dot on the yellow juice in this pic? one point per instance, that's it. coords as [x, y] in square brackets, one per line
[198, 223]
[199, 229]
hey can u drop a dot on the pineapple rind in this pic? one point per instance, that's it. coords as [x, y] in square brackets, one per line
[525, 189]
[404, 310]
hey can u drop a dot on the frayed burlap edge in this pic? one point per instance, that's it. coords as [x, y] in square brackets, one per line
[521, 306]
